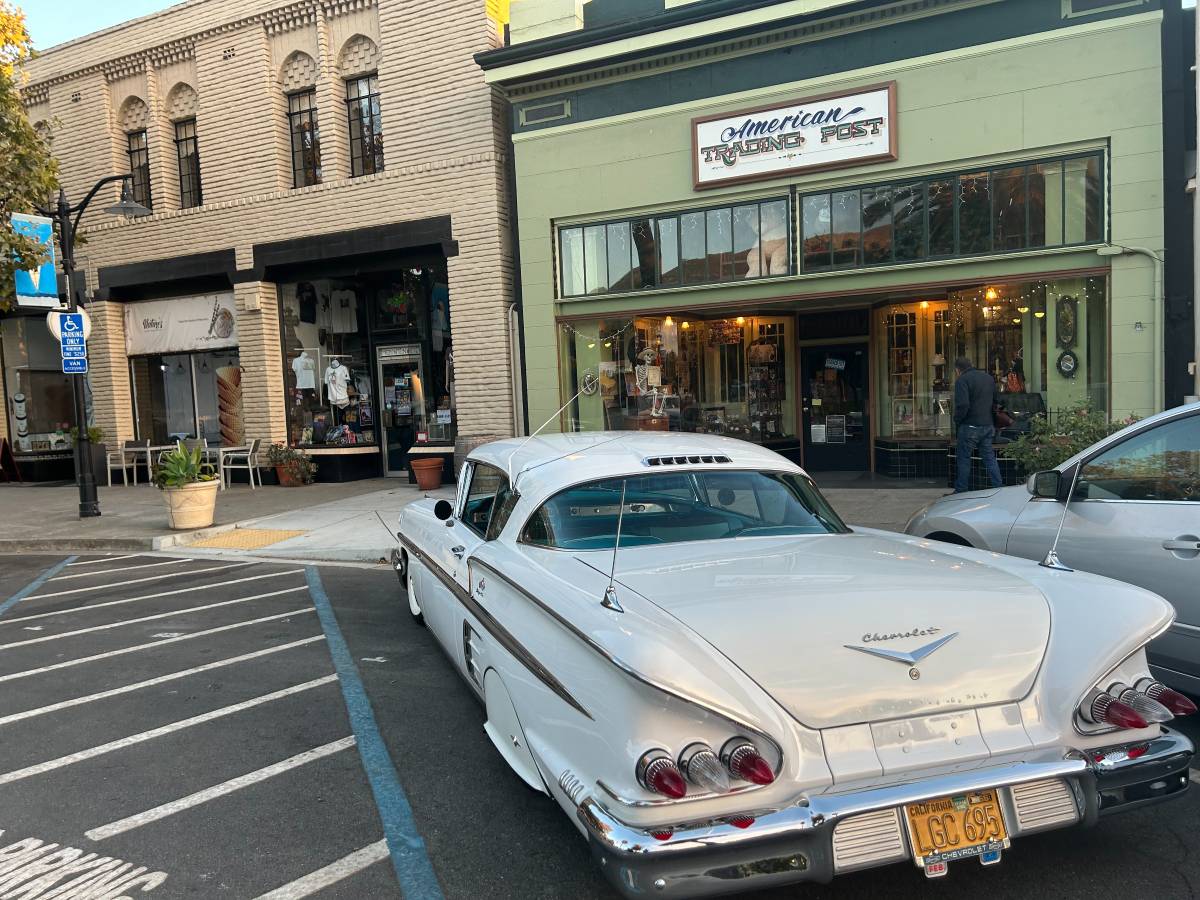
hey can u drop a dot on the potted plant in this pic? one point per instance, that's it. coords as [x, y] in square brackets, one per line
[99, 452]
[190, 486]
[292, 467]
[428, 470]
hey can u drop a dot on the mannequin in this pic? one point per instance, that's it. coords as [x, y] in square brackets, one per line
[337, 377]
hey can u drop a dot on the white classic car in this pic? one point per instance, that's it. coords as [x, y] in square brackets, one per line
[727, 689]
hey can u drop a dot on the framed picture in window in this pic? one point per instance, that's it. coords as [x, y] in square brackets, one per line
[1066, 316]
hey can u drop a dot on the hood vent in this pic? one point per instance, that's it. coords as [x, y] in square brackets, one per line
[684, 460]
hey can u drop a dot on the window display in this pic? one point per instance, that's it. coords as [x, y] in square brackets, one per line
[731, 375]
[1044, 343]
[41, 406]
[327, 371]
[188, 395]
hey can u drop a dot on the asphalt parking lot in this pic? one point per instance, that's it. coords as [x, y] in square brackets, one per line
[185, 727]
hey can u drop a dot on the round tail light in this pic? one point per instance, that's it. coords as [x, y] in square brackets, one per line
[657, 772]
[1176, 702]
[1105, 709]
[701, 767]
[743, 761]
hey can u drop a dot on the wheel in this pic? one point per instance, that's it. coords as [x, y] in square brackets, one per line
[414, 606]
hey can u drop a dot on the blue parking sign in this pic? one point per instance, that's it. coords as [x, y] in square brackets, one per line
[71, 340]
[75, 365]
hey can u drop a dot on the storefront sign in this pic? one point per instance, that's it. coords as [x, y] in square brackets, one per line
[181, 325]
[825, 132]
[36, 287]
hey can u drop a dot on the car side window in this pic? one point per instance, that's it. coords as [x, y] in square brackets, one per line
[481, 496]
[1161, 463]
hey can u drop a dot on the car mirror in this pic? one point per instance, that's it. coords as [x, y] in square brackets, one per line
[443, 509]
[1045, 484]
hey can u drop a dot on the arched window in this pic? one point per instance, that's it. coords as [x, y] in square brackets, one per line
[299, 77]
[135, 115]
[182, 103]
[358, 64]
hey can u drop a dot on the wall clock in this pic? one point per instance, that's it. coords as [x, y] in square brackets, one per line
[1067, 364]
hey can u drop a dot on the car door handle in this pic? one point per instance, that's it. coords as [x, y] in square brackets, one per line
[458, 551]
[1181, 545]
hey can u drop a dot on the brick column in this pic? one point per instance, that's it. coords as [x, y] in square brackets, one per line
[108, 372]
[264, 408]
[160, 141]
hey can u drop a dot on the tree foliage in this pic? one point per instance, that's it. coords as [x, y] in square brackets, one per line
[28, 175]
[1052, 440]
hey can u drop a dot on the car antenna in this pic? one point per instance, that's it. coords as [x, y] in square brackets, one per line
[1052, 561]
[610, 593]
[589, 385]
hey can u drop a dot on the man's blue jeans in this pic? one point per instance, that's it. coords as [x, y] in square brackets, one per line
[971, 437]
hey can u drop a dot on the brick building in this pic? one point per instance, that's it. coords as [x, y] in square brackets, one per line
[327, 262]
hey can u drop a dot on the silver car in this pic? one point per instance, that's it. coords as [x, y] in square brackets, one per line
[1133, 514]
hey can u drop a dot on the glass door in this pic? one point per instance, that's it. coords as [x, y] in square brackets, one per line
[837, 430]
[401, 404]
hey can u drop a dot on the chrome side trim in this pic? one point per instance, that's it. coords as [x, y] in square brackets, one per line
[604, 654]
[501, 634]
[667, 801]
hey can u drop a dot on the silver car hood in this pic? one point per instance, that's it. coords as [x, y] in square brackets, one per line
[791, 613]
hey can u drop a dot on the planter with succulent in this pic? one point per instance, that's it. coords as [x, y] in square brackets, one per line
[293, 468]
[190, 487]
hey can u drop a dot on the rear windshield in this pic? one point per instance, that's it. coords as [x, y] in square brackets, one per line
[681, 506]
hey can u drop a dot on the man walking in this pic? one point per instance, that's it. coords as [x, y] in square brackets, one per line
[974, 399]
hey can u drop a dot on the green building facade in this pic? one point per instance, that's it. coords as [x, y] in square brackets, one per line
[784, 221]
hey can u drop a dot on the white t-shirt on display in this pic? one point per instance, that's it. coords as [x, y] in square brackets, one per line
[343, 311]
[306, 372]
[336, 379]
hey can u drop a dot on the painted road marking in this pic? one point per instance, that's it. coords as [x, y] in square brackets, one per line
[150, 682]
[116, 584]
[167, 615]
[410, 860]
[1194, 776]
[187, 637]
[219, 790]
[92, 562]
[33, 869]
[186, 590]
[169, 562]
[35, 584]
[121, 743]
[331, 874]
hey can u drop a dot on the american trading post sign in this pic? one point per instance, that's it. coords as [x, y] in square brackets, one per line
[825, 132]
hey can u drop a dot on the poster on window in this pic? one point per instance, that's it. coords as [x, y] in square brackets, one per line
[181, 325]
[824, 132]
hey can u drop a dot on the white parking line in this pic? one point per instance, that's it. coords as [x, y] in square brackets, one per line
[187, 637]
[167, 615]
[150, 682]
[122, 743]
[115, 584]
[186, 590]
[92, 562]
[1194, 776]
[169, 562]
[219, 790]
[331, 874]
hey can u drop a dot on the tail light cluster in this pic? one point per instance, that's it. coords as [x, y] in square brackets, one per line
[699, 766]
[1149, 702]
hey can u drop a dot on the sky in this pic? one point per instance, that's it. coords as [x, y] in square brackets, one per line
[51, 22]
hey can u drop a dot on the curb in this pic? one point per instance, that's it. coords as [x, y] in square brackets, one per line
[65, 545]
[183, 538]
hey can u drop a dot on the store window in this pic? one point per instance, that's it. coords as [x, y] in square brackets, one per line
[733, 375]
[1050, 203]
[41, 406]
[188, 395]
[1044, 343]
[727, 243]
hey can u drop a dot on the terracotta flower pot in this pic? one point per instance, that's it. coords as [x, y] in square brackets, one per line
[191, 505]
[286, 478]
[428, 472]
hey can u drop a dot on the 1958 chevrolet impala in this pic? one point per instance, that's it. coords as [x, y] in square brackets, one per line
[678, 640]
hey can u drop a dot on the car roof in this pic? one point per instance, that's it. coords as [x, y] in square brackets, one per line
[545, 464]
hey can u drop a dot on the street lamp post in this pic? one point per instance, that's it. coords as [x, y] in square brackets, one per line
[89, 502]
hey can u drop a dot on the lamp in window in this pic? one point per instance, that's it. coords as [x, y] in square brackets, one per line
[990, 294]
[179, 367]
[1040, 314]
[741, 320]
[686, 325]
[1022, 309]
[668, 322]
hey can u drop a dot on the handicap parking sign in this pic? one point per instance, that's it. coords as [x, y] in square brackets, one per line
[75, 365]
[71, 339]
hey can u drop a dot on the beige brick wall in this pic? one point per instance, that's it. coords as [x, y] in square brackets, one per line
[445, 142]
[108, 372]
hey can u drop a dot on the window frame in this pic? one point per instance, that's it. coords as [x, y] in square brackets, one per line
[954, 177]
[197, 192]
[656, 217]
[466, 498]
[372, 119]
[296, 117]
[139, 162]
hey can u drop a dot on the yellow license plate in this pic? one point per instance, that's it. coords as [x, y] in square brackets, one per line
[950, 828]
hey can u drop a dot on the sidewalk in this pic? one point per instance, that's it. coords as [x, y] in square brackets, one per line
[350, 522]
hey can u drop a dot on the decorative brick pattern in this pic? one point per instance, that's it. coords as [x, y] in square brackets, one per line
[182, 102]
[359, 56]
[108, 372]
[299, 71]
[135, 115]
[261, 358]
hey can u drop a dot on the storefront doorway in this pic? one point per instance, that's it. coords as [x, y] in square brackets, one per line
[835, 387]
[402, 404]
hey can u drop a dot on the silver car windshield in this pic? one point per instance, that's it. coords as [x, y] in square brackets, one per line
[667, 508]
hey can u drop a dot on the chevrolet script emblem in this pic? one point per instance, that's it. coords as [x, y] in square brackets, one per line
[910, 657]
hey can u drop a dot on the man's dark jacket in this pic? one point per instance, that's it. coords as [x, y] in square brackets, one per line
[974, 397]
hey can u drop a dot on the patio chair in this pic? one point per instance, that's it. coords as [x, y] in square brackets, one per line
[127, 458]
[241, 458]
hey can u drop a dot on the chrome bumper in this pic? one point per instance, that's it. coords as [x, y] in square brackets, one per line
[782, 846]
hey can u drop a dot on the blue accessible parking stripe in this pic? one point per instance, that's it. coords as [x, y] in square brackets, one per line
[35, 584]
[409, 856]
